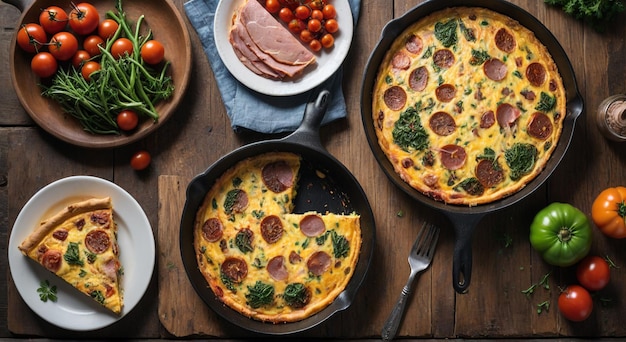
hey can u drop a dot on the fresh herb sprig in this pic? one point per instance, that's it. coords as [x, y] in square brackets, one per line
[597, 13]
[47, 292]
[122, 83]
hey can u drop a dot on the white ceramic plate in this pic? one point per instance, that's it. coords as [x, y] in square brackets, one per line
[328, 61]
[73, 310]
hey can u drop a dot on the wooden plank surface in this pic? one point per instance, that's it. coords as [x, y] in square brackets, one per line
[504, 264]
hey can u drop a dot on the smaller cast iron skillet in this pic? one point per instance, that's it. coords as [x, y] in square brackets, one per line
[337, 192]
[465, 219]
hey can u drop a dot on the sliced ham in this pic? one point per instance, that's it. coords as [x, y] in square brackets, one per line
[265, 46]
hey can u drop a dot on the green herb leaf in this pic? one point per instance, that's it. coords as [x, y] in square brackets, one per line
[47, 292]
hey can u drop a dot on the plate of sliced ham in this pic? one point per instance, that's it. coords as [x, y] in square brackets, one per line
[261, 52]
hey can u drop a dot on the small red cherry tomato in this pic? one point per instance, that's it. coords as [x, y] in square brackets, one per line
[575, 303]
[44, 64]
[80, 58]
[89, 68]
[140, 160]
[53, 19]
[107, 28]
[272, 6]
[121, 47]
[92, 44]
[329, 12]
[84, 18]
[63, 46]
[285, 14]
[593, 273]
[127, 120]
[31, 37]
[152, 52]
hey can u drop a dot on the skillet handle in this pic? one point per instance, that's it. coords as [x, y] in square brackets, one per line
[308, 133]
[464, 226]
[21, 5]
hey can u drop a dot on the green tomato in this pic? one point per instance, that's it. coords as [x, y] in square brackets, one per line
[561, 234]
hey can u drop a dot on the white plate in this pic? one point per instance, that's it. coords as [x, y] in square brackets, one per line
[328, 61]
[73, 310]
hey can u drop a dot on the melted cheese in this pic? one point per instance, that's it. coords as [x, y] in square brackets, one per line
[467, 106]
[295, 247]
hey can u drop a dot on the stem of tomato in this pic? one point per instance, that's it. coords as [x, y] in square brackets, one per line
[564, 234]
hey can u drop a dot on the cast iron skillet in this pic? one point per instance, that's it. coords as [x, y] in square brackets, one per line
[338, 192]
[465, 219]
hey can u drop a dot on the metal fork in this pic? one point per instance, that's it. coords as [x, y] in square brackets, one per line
[419, 259]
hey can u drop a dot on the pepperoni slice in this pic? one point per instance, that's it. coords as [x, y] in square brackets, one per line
[80, 224]
[487, 119]
[414, 44]
[277, 176]
[495, 69]
[442, 123]
[271, 228]
[488, 174]
[540, 126]
[277, 269]
[505, 41]
[212, 229]
[536, 74]
[400, 60]
[52, 260]
[445, 92]
[418, 78]
[395, 97]
[60, 234]
[507, 114]
[312, 225]
[234, 269]
[97, 241]
[318, 263]
[100, 217]
[236, 201]
[453, 156]
[443, 58]
[407, 163]
[294, 258]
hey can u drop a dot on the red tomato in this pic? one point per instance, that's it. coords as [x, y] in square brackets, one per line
[327, 40]
[44, 64]
[331, 26]
[314, 25]
[84, 18]
[575, 303]
[302, 12]
[63, 46]
[121, 47]
[53, 19]
[593, 273]
[329, 12]
[31, 36]
[127, 120]
[88, 68]
[107, 28]
[296, 26]
[306, 36]
[315, 45]
[79, 58]
[91, 44]
[140, 160]
[272, 6]
[152, 52]
[317, 14]
[285, 14]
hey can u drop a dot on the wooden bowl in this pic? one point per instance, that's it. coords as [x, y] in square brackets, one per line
[167, 25]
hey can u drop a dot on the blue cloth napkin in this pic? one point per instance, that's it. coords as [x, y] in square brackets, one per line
[248, 109]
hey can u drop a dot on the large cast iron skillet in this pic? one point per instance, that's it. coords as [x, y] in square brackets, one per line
[337, 192]
[465, 219]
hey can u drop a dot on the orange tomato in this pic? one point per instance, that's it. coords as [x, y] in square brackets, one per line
[608, 212]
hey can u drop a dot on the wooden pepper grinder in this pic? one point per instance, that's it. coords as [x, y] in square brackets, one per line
[611, 117]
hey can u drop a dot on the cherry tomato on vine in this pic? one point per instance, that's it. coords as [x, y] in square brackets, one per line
[89, 68]
[290, 4]
[331, 26]
[53, 19]
[327, 40]
[140, 160]
[315, 45]
[272, 6]
[127, 120]
[315, 4]
[593, 273]
[314, 25]
[44, 64]
[31, 36]
[329, 12]
[121, 47]
[80, 58]
[296, 26]
[152, 52]
[84, 18]
[302, 12]
[575, 303]
[63, 46]
[91, 44]
[306, 36]
[608, 212]
[317, 14]
[285, 14]
[107, 28]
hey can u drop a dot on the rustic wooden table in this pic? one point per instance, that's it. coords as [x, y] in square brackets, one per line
[504, 263]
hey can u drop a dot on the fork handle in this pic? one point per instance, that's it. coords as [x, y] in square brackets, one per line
[393, 322]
